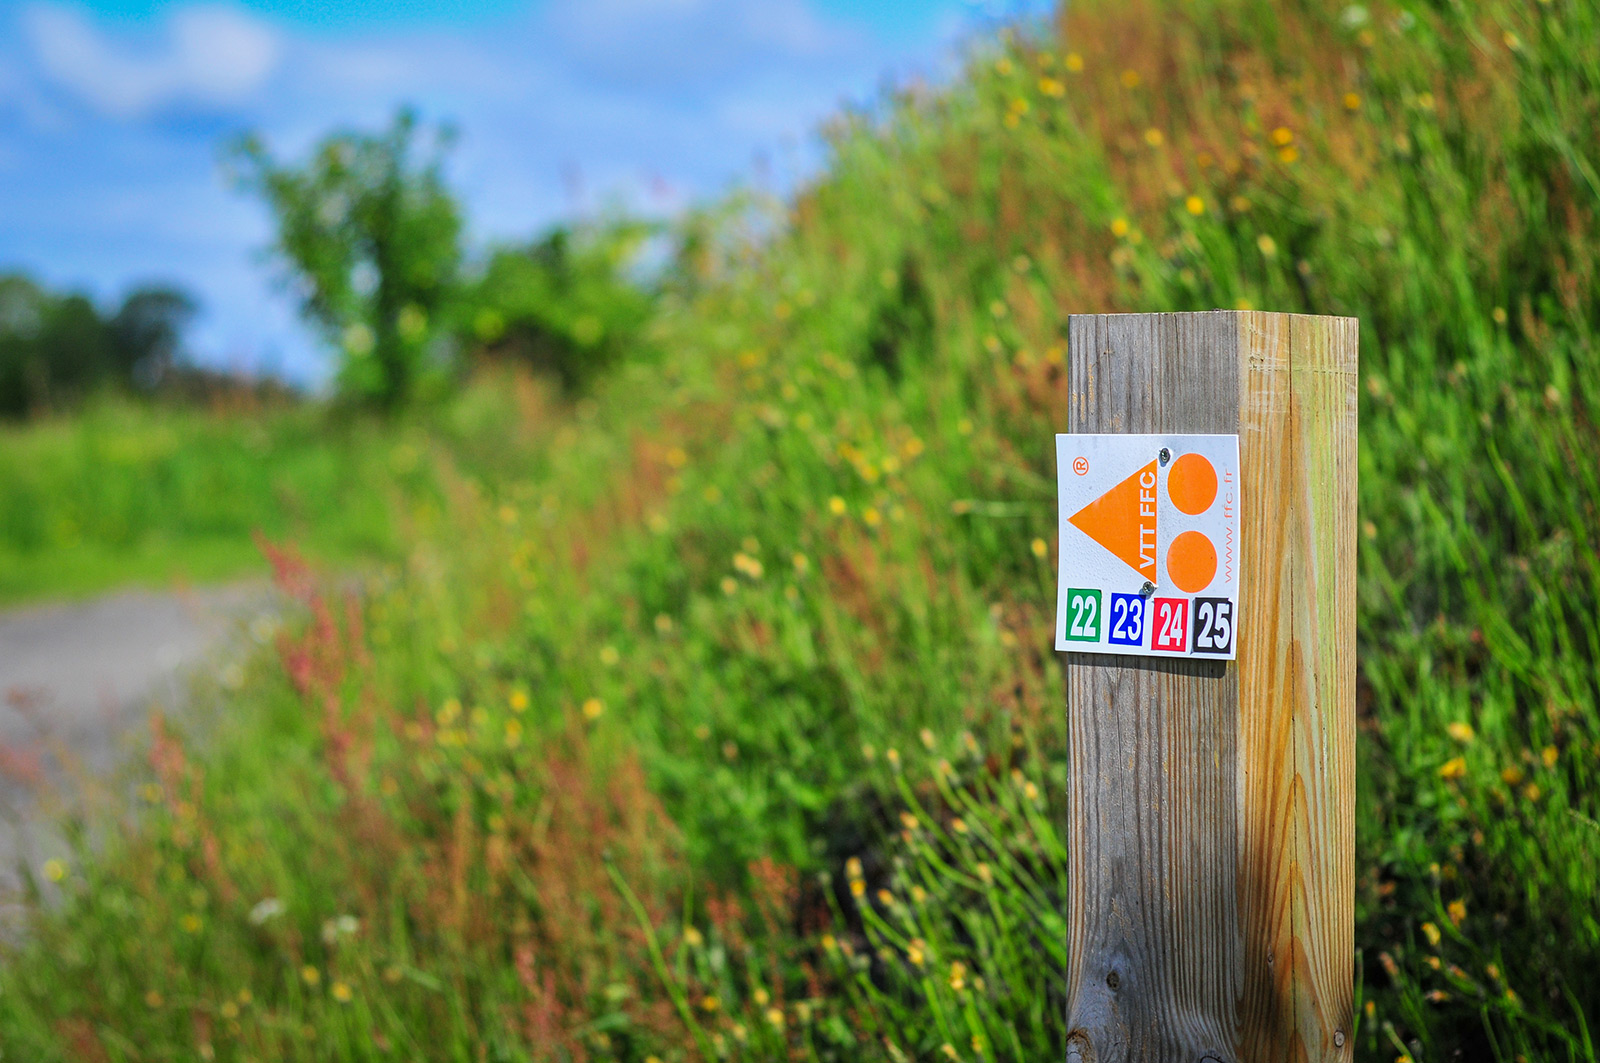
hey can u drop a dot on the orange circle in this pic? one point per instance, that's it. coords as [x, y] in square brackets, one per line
[1191, 562]
[1192, 484]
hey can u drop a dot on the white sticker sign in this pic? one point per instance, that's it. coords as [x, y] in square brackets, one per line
[1149, 545]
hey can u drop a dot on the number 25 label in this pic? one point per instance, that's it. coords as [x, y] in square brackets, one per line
[1213, 625]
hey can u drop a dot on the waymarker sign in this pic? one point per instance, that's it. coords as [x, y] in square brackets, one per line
[1149, 545]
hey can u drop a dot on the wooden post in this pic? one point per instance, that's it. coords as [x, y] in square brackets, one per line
[1212, 804]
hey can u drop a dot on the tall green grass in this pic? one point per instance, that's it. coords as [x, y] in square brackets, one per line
[731, 727]
[129, 493]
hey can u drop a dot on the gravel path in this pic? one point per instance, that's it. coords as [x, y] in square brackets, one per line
[77, 681]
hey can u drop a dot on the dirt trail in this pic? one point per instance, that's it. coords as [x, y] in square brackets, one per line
[77, 681]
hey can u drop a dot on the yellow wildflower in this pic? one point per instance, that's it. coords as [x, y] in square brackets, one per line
[1130, 79]
[1549, 755]
[1352, 102]
[1074, 62]
[341, 993]
[708, 1003]
[1119, 227]
[592, 708]
[519, 701]
[729, 585]
[1460, 731]
[1266, 245]
[1288, 154]
[775, 1017]
[1457, 910]
[609, 656]
[1195, 205]
[1282, 137]
[871, 517]
[1454, 768]
[1049, 86]
[1154, 137]
[958, 976]
[513, 733]
[1039, 547]
[310, 975]
[692, 937]
[55, 870]
[836, 506]
[916, 952]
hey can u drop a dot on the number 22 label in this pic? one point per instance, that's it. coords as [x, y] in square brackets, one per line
[1083, 619]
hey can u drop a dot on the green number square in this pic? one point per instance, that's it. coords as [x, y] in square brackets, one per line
[1084, 619]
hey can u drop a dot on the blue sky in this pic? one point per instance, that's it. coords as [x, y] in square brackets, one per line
[112, 112]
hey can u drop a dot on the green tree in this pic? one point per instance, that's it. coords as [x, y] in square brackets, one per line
[371, 237]
[55, 349]
[564, 303]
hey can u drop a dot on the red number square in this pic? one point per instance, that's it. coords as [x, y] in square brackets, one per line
[1170, 625]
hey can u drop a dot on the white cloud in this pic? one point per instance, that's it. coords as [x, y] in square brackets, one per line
[208, 55]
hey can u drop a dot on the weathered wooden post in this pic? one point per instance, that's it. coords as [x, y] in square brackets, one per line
[1212, 799]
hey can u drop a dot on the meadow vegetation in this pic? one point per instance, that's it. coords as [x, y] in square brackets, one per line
[727, 726]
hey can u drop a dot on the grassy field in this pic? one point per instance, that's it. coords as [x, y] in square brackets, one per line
[125, 493]
[727, 725]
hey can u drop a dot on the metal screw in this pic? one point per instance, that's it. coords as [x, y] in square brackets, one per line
[1338, 1038]
[1166, 456]
[1147, 590]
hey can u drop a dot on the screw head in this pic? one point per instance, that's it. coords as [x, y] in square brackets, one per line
[1147, 590]
[1338, 1038]
[1165, 456]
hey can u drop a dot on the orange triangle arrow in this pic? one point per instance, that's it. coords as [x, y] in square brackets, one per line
[1123, 520]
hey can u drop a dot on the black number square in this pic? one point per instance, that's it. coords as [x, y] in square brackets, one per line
[1213, 625]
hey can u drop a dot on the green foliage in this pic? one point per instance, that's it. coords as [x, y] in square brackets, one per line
[55, 350]
[371, 237]
[138, 493]
[726, 725]
[565, 304]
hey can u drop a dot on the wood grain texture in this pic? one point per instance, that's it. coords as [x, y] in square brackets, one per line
[1212, 806]
[1153, 923]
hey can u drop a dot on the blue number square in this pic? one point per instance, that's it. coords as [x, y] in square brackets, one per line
[1126, 620]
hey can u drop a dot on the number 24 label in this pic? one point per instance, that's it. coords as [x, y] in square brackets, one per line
[1171, 632]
